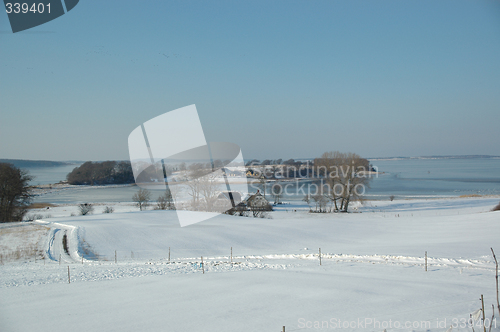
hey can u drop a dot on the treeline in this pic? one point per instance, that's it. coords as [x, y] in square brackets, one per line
[268, 162]
[98, 173]
[20, 163]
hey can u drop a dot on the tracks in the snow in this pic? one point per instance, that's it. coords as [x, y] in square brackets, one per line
[63, 244]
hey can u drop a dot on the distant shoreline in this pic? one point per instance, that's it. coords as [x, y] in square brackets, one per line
[21, 163]
[437, 157]
[26, 163]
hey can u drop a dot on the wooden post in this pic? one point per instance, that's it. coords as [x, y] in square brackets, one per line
[426, 261]
[169, 254]
[202, 265]
[115, 256]
[482, 308]
[69, 279]
[496, 277]
[283, 329]
[231, 255]
[319, 256]
[492, 317]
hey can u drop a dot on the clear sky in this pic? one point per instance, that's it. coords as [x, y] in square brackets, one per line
[282, 79]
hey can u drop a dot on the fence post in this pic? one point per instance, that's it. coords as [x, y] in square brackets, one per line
[319, 256]
[482, 306]
[69, 279]
[283, 329]
[202, 265]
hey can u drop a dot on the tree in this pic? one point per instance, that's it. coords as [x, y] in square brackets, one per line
[277, 192]
[345, 177]
[142, 198]
[14, 192]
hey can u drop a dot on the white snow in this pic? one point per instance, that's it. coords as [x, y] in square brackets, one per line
[371, 275]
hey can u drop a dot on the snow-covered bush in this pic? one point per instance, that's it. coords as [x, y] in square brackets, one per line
[85, 208]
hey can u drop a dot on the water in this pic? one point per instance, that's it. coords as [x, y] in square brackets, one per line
[48, 175]
[415, 178]
[436, 178]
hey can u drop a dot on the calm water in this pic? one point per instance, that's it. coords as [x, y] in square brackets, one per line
[417, 178]
[48, 175]
[436, 177]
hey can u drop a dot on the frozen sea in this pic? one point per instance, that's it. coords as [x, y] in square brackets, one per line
[403, 178]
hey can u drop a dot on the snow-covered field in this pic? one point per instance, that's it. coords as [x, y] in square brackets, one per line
[371, 276]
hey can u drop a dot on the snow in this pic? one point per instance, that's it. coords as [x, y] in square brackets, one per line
[372, 270]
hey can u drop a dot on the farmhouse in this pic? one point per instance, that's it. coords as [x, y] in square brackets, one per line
[255, 203]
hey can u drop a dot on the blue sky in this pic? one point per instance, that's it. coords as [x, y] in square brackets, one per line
[282, 79]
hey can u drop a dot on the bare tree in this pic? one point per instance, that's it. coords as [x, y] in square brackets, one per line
[193, 182]
[209, 190]
[277, 192]
[345, 175]
[14, 192]
[321, 202]
[142, 198]
[307, 198]
[262, 170]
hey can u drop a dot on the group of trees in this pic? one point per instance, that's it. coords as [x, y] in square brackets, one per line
[98, 173]
[142, 200]
[340, 178]
[344, 177]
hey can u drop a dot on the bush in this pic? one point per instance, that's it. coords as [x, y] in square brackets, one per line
[85, 209]
[165, 201]
[108, 209]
